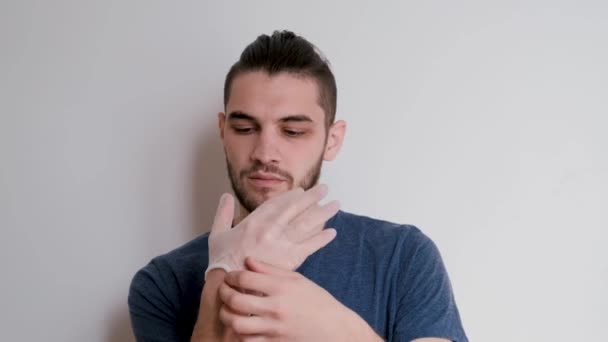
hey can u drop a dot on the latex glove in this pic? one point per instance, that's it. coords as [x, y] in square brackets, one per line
[283, 231]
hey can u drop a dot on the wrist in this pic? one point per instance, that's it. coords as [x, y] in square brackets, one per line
[208, 326]
[217, 265]
[215, 277]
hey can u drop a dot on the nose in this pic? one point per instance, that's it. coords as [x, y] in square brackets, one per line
[266, 148]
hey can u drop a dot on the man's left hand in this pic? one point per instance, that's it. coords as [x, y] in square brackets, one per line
[283, 305]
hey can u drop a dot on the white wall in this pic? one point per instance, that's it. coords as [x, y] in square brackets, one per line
[482, 122]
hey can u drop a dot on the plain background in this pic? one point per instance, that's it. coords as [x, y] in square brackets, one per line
[482, 122]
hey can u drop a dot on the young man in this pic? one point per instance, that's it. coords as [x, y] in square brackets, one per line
[287, 268]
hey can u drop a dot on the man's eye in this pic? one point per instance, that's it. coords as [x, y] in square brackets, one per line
[293, 133]
[243, 130]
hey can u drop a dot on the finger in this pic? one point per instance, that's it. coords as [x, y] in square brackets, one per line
[264, 269]
[253, 338]
[276, 203]
[316, 242]
[284, 210]
[303, 202]
[251, 281]
[224, 214]
[312, 221]
[245, 324]
[243, 303]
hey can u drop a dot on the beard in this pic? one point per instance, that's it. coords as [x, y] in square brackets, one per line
[248, 198]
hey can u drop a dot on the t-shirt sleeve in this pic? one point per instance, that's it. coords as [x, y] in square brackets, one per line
[152, 310]
[427, 307]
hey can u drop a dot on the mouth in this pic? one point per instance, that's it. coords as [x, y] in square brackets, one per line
[265, 180]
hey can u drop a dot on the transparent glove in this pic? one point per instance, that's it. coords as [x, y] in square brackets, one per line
[283, 231]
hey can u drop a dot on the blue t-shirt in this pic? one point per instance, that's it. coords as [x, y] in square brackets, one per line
[391, 275]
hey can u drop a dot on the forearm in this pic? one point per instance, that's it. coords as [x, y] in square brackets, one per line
[208, 327]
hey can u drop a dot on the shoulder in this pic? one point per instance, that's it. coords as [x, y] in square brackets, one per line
[380, 231]
[171, 273]
[164, 294]
[190, 255]
[397, 247]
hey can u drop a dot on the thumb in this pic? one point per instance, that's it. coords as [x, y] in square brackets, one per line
[224, 214]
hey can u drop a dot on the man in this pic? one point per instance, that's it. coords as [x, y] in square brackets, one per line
[288, 268]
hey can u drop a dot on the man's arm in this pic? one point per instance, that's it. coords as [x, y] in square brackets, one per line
[285, 229]
[289, 307]
[352, 326]
[208, 326]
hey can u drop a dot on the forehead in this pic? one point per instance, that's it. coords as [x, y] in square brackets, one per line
[269, 98]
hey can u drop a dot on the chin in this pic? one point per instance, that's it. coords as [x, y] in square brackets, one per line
[254, 196]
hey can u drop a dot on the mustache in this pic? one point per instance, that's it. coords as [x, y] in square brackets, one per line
[266, 168]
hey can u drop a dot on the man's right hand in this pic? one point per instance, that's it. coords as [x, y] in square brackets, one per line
[283, 231]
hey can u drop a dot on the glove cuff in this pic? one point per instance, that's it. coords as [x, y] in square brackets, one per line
[215, 265]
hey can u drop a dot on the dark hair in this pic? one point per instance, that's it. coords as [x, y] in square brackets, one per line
[285, 51]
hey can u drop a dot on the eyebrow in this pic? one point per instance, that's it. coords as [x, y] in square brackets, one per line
[238, 115]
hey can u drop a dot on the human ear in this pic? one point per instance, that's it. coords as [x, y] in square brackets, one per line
[335, 137]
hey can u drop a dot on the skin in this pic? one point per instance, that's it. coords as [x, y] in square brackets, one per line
[275, 124]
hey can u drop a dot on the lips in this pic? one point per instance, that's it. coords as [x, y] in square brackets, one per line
[265, 180]
[265, 176]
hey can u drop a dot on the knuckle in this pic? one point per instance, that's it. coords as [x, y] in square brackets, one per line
[281, 312]
[239, 326]
[275, 310]
[232, 300]
[264, 238]
[275, 330]
[224, 315]
[282, 288]
[240, 279]
[245, 279]
[223, 292]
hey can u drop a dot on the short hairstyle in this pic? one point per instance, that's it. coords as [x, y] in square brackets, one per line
[285, 51]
